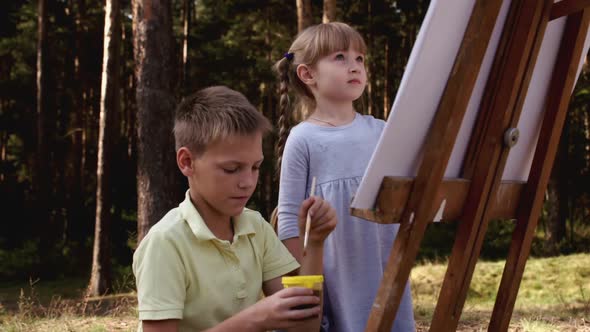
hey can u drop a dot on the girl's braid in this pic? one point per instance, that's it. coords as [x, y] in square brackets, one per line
[284, 111]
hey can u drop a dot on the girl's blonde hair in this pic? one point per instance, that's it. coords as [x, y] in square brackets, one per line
[310, 45]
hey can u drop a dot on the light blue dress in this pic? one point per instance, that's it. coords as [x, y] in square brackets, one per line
[356, 252]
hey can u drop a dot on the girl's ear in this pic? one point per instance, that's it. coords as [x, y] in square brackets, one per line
[306, 74]
[184, 160]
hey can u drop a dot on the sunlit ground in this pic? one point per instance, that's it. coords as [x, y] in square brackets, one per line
[554, 296]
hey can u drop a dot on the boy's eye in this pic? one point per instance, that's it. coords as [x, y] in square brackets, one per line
[230, 170]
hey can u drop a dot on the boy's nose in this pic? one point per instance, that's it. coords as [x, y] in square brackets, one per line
[247, 181]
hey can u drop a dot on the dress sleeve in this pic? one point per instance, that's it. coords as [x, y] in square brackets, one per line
[293, 181]
[160, 278]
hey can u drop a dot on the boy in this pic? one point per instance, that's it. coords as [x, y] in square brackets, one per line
[204, 265]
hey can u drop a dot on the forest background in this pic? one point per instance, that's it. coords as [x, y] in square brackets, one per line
[87, 95]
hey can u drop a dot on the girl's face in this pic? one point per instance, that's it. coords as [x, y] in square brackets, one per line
[340, 76]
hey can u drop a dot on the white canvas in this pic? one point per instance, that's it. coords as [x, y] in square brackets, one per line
[398, 152]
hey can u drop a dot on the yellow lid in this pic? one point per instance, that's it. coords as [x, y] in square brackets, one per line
[302, 281]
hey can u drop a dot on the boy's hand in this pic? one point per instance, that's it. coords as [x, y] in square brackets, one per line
[323, 219]
[276, 311]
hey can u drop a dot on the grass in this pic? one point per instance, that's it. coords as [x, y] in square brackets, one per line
[562, 281]
[61, 306]
[554, 296]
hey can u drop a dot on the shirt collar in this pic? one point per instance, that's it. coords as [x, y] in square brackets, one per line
[242, 226]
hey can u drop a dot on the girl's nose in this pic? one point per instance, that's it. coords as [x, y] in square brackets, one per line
[354, 67]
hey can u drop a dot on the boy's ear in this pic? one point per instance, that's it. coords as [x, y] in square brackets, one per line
[184, 160]
[306, 74]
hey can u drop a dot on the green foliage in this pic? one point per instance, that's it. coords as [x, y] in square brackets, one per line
[439, 238]
[497, 240]
[437, 242]
[241, 39]
[123, 279]
[15, 262]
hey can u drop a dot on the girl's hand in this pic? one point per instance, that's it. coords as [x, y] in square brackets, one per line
[323, 219]
[276, 311]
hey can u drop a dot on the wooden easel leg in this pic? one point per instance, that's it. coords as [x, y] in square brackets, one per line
[395, 277]
[501, 106]
[562, 85]
[420, 208]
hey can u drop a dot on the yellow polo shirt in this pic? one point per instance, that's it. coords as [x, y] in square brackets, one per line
[184, 272]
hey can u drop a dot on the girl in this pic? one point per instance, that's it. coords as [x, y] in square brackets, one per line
[325, 70]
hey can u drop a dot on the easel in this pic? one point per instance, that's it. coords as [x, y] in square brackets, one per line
[480, 195]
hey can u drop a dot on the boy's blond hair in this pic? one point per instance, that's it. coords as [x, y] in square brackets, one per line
[213, 114]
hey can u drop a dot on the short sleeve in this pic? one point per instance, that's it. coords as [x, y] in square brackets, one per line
[277, 260]
[160, 278]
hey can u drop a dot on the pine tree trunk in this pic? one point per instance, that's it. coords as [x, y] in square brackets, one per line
[558, 193]
[370, 66]
[329, 11]
[42, 174]
[128, 83]
[558, 230]
[386, 94]
[185, 43]
[268, 183]
[42, 148]
[100, 278]
[3, 141]
[303, 14]
[157, 174]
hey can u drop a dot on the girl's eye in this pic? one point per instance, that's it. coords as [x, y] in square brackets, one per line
[339, 57]
[360, 59]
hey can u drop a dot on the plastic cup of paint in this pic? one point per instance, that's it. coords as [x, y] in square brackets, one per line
[313, 282]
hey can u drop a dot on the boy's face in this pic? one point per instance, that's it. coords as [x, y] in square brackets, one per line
[224, 177]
